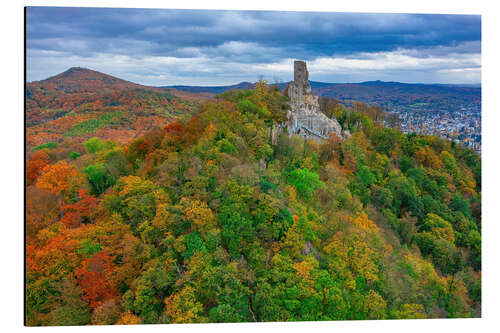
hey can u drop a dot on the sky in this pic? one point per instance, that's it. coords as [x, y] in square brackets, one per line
[162, 47]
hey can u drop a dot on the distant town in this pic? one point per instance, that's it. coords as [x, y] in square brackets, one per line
[461, 124]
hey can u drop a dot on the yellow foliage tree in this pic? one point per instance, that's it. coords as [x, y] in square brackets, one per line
[128, 318]
[182, 307]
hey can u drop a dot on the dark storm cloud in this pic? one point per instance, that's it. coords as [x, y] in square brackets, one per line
[245, 37]
[166, 31]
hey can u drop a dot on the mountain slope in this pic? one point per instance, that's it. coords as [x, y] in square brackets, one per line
[80, 103]
[78, 79]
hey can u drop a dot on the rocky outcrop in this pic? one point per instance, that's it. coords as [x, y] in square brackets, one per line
[305, 117]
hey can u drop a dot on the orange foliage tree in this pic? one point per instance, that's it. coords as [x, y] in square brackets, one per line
[59, 178]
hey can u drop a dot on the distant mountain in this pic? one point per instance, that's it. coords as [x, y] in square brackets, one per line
[465, 85]
[78, 79]
[391, 95]
[396, 95]
[212, 89]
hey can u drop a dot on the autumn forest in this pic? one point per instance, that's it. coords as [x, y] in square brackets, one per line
[153, 205]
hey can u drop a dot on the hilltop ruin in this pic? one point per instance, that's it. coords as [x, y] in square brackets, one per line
[305, 117]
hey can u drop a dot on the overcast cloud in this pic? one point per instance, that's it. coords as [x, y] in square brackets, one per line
[167, 47]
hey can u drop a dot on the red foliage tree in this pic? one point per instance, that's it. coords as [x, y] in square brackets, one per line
[94, 279]
[35, 165]
[83, 210]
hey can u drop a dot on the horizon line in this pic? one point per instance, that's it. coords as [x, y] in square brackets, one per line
[250, 82]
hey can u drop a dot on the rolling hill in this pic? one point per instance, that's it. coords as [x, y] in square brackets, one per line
[393, 96]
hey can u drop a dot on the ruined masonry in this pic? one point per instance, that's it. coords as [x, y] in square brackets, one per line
[305, 117]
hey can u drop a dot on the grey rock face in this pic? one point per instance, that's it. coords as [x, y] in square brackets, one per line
[305, 117]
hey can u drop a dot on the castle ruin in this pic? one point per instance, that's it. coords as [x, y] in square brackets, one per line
[305, 118]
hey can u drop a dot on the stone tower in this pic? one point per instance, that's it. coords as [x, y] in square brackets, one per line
[300, 73]
[305, 117]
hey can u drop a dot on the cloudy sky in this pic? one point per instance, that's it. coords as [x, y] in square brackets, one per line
[169, 47]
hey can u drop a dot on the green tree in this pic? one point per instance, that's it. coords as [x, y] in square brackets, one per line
[94, 145]
[99, 178]
[72, 310]
[305, 181]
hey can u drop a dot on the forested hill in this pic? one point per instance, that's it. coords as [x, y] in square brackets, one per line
[78, 79]
[80, 103]
[207, 220]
